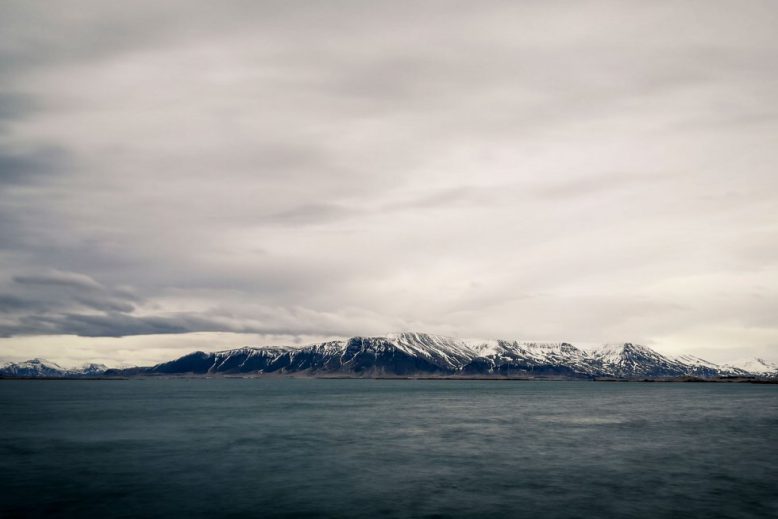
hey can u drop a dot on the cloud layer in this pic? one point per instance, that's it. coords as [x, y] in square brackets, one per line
[590, 171]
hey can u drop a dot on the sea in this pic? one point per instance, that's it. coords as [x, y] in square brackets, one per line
[304, 447]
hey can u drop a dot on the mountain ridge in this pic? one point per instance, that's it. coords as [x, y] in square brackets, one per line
[41, 368]
[411, 354]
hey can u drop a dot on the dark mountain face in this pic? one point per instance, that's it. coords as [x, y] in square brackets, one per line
[416, 354]
[198, 362]
[358, 356]
[429, 355]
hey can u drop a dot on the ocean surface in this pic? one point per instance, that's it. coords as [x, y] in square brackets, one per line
[387, 448]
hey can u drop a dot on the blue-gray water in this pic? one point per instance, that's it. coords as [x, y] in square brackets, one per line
[383, 448]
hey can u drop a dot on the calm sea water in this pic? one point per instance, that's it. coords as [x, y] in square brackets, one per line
[383, 448]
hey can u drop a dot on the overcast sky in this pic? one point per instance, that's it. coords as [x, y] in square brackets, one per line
[200, 175]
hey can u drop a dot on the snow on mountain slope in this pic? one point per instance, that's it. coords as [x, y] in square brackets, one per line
[698, 366]
[530, 358]
[633, 360]
[445, 352]
[756, 366]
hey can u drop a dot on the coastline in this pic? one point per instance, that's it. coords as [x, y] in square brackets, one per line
[191, 376]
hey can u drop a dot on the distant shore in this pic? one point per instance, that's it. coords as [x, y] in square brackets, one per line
[674, 380]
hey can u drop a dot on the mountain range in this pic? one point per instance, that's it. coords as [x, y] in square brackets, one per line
[45, 368]
[421, 354]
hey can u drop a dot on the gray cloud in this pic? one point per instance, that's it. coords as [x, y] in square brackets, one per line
[58, 278]
[27, 166]
[311, 213]
[109, 324]
[599, 170]
[15, 106]
[11, 303]
[116, 324]
[44, 302]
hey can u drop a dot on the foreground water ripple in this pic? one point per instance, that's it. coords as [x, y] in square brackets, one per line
[386, 448]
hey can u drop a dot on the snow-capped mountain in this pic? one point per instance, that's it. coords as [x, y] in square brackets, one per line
[32, 368]
[47, 368]
[89, 369]
[701, 367]
[536, 358]
[421, 354]
[757, 366]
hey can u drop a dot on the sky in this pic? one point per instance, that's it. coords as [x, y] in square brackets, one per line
[184, 175]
